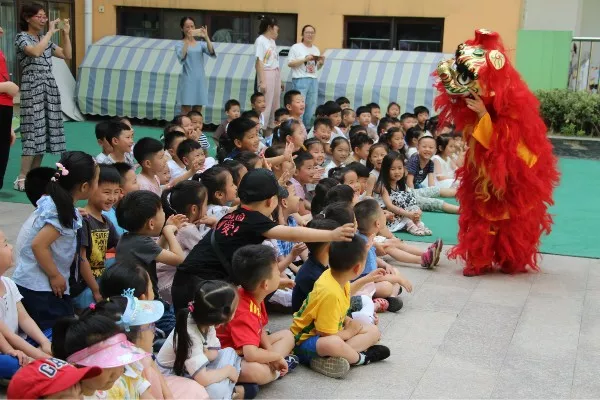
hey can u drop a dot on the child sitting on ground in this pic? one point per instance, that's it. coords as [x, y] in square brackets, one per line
[375, 114]
[293, 101]
[102, 129]
[49, 245]
[96, 236]
[360, 144]
[185, 123]
[150, 155]
[233, 111]
[304, 175]
[411, 140]
[343, 102]
[266, 356]
[193, 349]
[289, 204]
[321, 342]
[420, 178]
[422, 114]
[443, 164]
[348, 120]
[363, 116]
[127, 184]
[250, 223]
[172, 139]
[120, 137]
[242, 135]
[340, 150]
[186, 198]
[193, 157]
[281, 115]
[198, 123]
[290, 132]
[16, 351]
[284, 171]
[393, 110]
[259, 105]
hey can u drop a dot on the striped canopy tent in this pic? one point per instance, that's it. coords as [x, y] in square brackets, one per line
[138, 78]
[129, 77]
[380, 76]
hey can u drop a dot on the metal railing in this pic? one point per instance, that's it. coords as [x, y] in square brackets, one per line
[584, 70]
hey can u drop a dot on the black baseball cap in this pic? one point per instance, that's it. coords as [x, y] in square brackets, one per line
[258, 185]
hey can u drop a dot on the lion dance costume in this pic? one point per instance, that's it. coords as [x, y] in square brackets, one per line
[510, 172]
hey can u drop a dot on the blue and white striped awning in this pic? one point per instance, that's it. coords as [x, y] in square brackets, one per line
[138, 77]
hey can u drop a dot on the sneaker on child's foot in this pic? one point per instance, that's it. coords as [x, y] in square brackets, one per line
[427, 259]
[292, 361]
[333, 367]
[376, 353]
[395, 303]
[437, 247]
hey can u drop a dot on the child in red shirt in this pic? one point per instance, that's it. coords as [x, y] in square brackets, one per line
[266, 357]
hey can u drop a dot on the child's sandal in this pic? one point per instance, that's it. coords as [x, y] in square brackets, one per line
[414, 230]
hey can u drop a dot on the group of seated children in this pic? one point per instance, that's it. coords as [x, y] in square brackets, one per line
[185, 258]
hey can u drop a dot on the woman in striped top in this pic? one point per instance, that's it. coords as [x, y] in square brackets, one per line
[41, 117]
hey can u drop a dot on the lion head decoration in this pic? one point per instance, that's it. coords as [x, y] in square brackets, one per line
[481, 66]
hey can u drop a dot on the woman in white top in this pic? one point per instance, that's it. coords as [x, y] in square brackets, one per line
[442, 162]
[305, 60]
[267, 68]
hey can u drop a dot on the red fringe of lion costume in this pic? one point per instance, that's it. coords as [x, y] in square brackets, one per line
[510, 172]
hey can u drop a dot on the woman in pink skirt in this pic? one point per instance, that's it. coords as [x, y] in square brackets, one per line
[267, 68]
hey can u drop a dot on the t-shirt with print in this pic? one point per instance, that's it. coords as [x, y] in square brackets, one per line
[134, 249]
[266, 52]
[97, 237]
[305, 280]
[236, 229]
[285, 247]
[196, 359]
[414, 168]
[8, 309]
[307, 69]
[247, 324]
[324, 310]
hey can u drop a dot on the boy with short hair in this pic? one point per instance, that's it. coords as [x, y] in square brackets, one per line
[385, 123]
[141, 214]
[193, 158]
[120, 136]
[293, 101]
[326, 339]
[251, 223]
[363, 116]
[322, 130]
[102, 128]
[316, 263]
[232, 110]
[281, 115]
[360, 144]
[97, 235]
[333, 111]
[266, 357]
[375, 114]
[343, 102]
[348, 119]
[127, 184]
[259, 105]
[304, 175]
[407, 121]
[150, 155]
[422, 115]
[198, 123]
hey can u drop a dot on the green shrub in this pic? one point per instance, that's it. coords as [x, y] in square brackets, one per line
[570, 113]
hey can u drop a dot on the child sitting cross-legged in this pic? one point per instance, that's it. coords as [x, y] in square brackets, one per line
[150, 155]
[326, 339]
[193, 349]
[266, 357]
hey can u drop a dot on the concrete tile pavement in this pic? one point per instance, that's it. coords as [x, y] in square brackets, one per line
[497, 336]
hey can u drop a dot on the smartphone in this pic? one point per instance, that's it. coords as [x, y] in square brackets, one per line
[196, 32]
[60, 25]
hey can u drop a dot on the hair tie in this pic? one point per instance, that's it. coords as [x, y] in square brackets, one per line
[191, 306]
[60, 171]
[92, 306]
[322, 213]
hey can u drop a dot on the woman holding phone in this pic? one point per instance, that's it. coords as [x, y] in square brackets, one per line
[192, 93]
[42, 128]
[305, 60]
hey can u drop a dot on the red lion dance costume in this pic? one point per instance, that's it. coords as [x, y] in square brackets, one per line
[509, 173]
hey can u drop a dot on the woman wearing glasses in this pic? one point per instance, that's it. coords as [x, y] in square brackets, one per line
[305, 60]
[8, 90]
[41, 117]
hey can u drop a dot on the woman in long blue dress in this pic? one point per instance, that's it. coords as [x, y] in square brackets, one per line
[193, 93]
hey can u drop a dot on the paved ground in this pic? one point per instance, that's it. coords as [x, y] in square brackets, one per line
[527, 336]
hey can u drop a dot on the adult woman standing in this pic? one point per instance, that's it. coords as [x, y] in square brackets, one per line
[8, 90]
[305, 60]
[42, 128]
[193, 93]
[267, 68]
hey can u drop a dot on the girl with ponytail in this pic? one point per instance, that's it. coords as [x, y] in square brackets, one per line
[188, 198]
[49, 244]
[194, 350]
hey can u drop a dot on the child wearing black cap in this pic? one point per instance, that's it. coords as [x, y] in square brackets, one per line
[251, 223]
